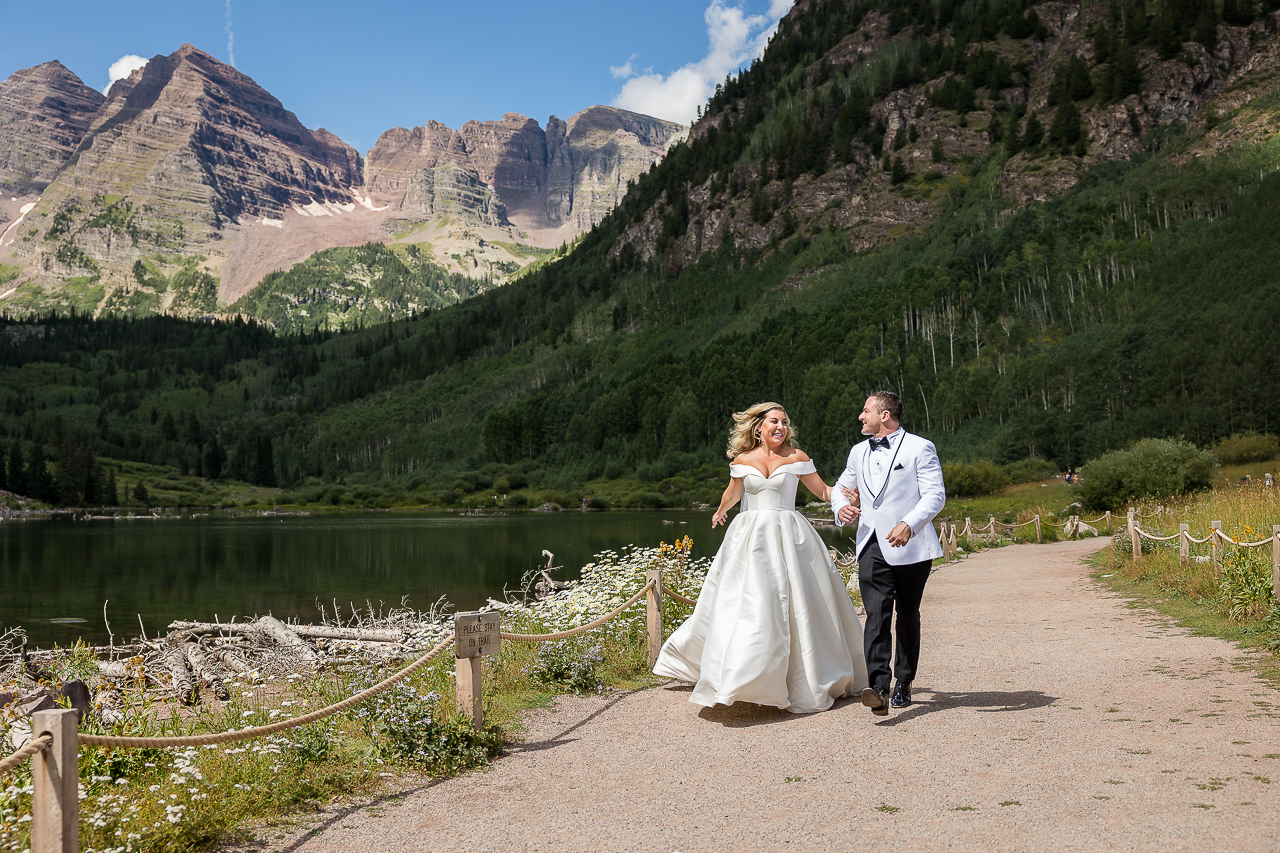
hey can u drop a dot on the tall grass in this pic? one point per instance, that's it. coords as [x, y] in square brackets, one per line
[1241, 590]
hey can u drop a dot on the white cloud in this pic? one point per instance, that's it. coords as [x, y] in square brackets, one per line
[625, 70]
[735, 39]
[122, 68]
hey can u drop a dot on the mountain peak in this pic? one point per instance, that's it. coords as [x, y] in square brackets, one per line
[44, 112]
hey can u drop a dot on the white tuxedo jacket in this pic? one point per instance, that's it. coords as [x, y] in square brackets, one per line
[912, 492]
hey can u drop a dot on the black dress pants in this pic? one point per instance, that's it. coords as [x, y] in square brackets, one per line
[883, 587]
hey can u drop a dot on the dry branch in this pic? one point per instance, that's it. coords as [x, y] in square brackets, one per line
[326, 632]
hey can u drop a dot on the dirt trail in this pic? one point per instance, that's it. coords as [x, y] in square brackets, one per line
[1049, 715]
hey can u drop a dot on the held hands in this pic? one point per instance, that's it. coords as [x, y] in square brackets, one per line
[851, 512]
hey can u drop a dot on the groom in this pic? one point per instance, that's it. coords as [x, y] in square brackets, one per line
[899, 484]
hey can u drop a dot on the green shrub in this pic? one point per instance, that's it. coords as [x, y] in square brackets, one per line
[1152, 468]
[1246, 590]
[566, 664]
[1246, 447]
[1029, 470]
[404, 727]
[965, 479]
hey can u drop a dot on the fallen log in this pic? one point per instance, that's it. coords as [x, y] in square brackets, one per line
[176, 662]
[232, 661]
[113, 669]
[281, 635]
[204, 670]
[326, 632]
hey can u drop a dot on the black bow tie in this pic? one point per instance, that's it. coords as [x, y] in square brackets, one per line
[879, 442]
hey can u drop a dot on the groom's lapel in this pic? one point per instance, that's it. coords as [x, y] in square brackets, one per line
[888, 475]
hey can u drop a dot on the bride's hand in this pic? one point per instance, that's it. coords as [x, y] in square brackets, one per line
[719, 518]
[852, 496]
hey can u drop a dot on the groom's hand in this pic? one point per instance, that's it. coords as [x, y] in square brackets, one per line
[900, 535]
[849, 514]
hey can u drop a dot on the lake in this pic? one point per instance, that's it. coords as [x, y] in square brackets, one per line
[57, 573]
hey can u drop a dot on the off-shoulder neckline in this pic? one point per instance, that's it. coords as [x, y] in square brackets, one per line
[775, 470]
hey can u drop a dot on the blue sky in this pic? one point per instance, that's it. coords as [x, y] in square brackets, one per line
[358, 69]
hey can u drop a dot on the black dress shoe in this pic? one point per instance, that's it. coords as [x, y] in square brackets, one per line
[876, 700]
[901, 695]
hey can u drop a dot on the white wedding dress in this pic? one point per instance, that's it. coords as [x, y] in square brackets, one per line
[774, 624]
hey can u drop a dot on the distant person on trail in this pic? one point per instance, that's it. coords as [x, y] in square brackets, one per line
[774, 624]
[1270, 482]
[898, 479]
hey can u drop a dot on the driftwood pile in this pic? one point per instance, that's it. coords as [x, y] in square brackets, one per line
[196, 656]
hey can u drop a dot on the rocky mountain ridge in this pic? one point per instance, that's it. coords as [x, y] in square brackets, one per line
[915, 144]
[188, 171]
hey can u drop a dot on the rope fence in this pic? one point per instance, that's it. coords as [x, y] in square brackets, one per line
[55, 806]
[14, 761]
[1217, 540]
[581, 629]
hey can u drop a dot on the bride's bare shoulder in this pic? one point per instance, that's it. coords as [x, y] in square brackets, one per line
[799, 456]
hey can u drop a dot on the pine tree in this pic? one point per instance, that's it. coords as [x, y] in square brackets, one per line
[17, 469]
[40, 483]
[1126, 77]
[1135, 31]
[1206, 28]
[215, 457]
[1064, 132]
[141, 495]
[937, 152]
[1168, 33]
[1012, 137]
[264, 468]
[1079, 84]
[1034, 133]
[898, 174]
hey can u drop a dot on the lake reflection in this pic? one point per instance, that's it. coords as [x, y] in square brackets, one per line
[198, 567]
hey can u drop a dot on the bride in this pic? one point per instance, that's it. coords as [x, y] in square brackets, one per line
[774, 624]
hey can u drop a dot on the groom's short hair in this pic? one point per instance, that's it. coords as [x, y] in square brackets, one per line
[888, 401]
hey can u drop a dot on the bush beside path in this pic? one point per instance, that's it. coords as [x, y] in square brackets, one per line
[1050, 714]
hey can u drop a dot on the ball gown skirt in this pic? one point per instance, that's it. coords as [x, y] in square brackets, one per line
[774, 624]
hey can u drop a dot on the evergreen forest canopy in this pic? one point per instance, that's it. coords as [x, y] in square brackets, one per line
[1139, 304]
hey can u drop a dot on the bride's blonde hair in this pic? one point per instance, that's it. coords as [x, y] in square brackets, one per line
[745, 434]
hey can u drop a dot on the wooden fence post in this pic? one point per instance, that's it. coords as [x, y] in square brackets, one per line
[968, 526]
[1133, 534]
[1216, 543]
[1184, 546]
[1109, 530]
[1275, 560]
[55, 820]
[1039, 535]
[475, 635]
[942, 537]
[653, 614]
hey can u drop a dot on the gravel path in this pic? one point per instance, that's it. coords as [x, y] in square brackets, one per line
[1049, 715]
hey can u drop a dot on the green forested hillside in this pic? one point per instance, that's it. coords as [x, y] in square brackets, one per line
[1139, 303]
[1142, 303]
[361, 285]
